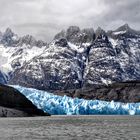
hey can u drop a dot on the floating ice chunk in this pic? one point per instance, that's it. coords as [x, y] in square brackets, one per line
[58, 105]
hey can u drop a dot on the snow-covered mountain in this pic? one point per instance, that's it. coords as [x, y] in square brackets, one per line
[62, 64]
[16, 51]
[75, 58]
[126, 43]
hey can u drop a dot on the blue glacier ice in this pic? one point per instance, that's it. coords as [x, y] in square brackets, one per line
[58, 105]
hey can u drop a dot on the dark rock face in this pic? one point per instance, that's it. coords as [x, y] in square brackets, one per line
[3, 78]
[56, 68]
[120, 92]
[102, 64]
[77, 58]
[124, 31]
[77, 36]
[16, 51]
[62, 42]
[11, 112]
[13, 103]
[127, 50]
[30, 40]
[61, 65]
[9, 38]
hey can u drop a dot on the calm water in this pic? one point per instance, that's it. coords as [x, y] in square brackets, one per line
[71, 128]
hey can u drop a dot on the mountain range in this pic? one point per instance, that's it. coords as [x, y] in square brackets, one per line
[76, 58]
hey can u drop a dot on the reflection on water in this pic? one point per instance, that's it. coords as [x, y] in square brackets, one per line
[70, 127]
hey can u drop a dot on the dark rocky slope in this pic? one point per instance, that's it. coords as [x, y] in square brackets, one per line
[78, 58]
[14, 104]
[120, 92]
[15, 51]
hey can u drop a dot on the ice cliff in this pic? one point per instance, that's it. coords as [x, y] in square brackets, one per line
[63, 105]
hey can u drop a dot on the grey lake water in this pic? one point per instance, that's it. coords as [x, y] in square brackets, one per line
[71, 128]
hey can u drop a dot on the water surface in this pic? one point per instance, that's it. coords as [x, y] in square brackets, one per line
[71, 128]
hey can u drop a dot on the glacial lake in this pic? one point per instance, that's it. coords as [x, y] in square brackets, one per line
[71, 128]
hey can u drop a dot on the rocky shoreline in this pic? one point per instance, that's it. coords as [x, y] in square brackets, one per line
[14, 104]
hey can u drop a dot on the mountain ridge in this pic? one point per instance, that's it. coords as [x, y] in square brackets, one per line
[78, 57]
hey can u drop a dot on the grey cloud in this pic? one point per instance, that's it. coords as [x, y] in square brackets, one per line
[123, 12]
[44, 18]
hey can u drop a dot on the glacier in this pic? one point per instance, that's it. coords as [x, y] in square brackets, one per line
[64, 105]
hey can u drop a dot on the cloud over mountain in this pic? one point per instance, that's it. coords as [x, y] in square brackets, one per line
[45, 18]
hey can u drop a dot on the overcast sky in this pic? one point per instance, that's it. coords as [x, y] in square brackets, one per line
[44, 18]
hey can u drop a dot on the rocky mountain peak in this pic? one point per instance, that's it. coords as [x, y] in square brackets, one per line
[73, 29]
[76, 36]
[88, 30]
[124, 27]
[28, 39]
[88, 35]
[8, 32]
[60, 35]
[100, 33]
[72, 34]
[9, 38]
[124, 30]
[61, 42]
[77, 58]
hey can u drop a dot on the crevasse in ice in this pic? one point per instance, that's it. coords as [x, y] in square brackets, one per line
[58, 105]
